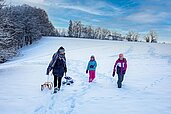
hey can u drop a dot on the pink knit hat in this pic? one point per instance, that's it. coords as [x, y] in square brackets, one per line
[121, 55]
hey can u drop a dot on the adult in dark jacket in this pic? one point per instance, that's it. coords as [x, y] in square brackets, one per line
[58, 67]
[120, 67]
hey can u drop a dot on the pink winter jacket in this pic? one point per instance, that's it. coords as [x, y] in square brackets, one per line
[121, 66]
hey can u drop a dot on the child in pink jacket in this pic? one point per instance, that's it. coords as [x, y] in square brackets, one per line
[91, 67]
[120, 67]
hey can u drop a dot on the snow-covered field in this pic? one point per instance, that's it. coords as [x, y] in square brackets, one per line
[146, 89]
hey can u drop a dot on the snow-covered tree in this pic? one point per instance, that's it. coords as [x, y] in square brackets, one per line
[97, 33]
[76, 29]
[2, 4]
[104, 33]
[20, 26]
[84, 32]
[90, 32]
[147, 38]
[132, 36]
[70, 29]
[79, 30]
[57, 32]
[151, 37]
[1, 12]
[116, 36]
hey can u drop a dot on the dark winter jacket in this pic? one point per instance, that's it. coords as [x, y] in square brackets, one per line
[121, 66]
[58, 65]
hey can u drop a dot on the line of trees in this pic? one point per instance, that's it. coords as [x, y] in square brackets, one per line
[78, 30]
[21, 26]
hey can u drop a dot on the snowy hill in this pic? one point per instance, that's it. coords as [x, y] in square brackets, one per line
[146, 88]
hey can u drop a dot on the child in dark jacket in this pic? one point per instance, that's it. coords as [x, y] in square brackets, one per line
[120, 67]
[91, 67]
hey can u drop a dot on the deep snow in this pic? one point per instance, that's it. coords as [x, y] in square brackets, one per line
[146, 88]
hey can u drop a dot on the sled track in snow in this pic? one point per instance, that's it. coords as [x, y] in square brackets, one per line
[71, 100]
[152, 53]
[156, 82]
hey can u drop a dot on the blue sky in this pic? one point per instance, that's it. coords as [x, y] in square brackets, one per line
[119, 15]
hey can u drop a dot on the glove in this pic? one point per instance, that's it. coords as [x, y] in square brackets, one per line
[47, 73]
[91, 66]
[113, 74]
[124, 72]
[65, 69]
[86, 71]
[48, 70]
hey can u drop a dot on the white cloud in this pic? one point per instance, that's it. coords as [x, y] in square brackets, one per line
[25, 1]
[146, 18]
[91, 7]
[62, 20]
[35, 1]
[80, 8]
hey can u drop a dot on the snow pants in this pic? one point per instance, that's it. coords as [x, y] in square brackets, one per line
[120, 80]
[59, 80]
[92, 75]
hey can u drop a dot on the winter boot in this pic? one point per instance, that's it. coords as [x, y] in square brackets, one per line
[119, 85]
[56, 89]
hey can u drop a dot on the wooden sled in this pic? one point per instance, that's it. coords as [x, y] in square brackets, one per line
[47, 84]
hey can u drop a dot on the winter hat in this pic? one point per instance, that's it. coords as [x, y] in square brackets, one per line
[92, 57]
[61, 50]
[121, 55]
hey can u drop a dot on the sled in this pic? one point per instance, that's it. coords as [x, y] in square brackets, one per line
[68, 80]
[47, 85]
